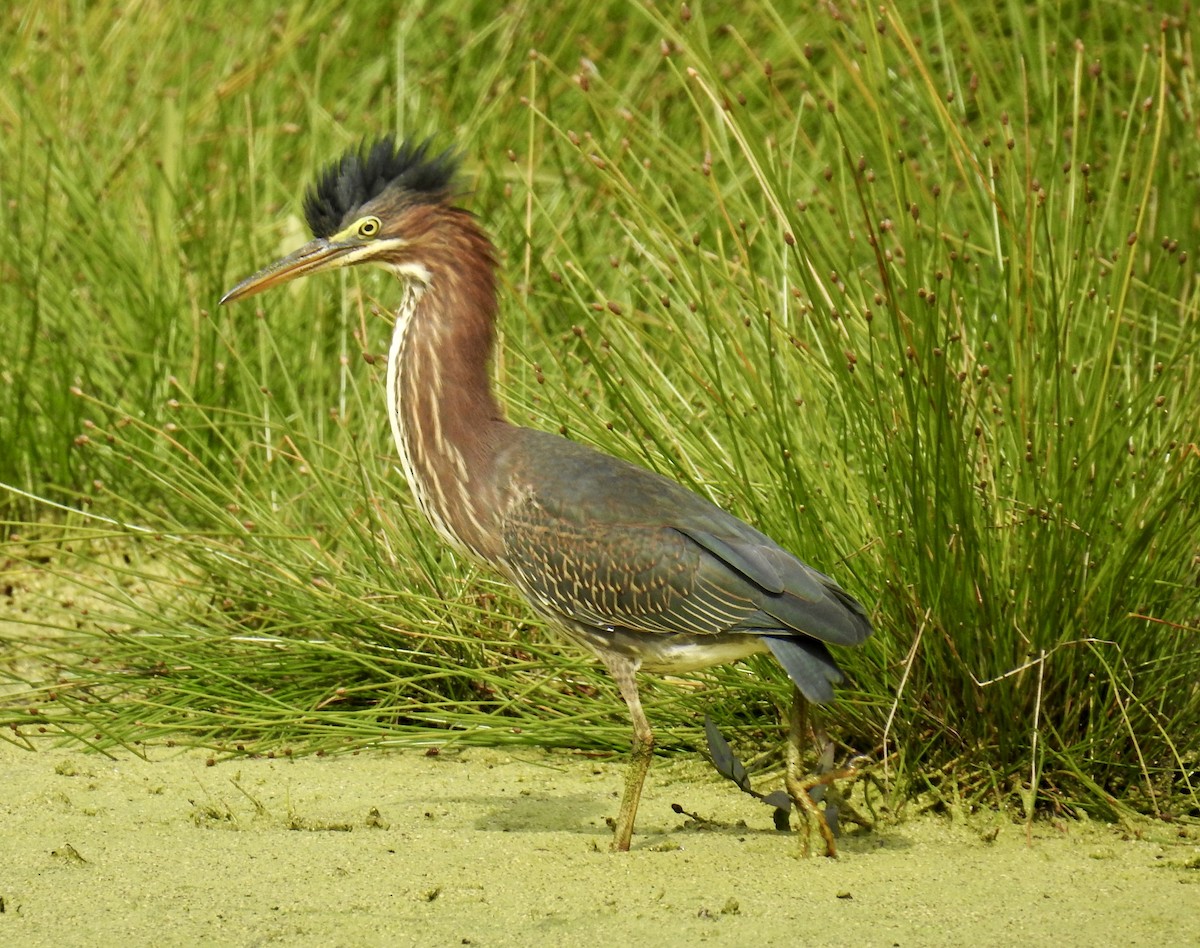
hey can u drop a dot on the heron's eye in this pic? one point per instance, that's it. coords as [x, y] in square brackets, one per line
[368, 227]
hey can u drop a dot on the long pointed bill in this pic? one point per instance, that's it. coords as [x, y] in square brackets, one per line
[319, 254]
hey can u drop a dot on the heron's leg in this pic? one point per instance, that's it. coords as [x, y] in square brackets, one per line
[623, 671]
[798, 786]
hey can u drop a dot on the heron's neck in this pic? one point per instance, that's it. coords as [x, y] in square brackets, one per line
[445, 419]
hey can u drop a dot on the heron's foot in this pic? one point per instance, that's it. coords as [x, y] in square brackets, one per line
[809, 793]
[812, 812]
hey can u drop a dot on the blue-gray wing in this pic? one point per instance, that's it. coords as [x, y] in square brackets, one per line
[599, 542]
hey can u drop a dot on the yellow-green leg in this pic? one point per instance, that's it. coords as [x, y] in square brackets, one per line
[624, 671]
[798, 785]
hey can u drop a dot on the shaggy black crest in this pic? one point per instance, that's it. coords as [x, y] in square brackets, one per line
[368, 171]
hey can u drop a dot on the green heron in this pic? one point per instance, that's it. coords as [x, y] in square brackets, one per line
[640, 570]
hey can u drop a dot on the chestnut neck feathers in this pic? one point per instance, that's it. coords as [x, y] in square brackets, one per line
[444, 418]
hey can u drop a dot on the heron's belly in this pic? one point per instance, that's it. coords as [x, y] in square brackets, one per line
[669, 653]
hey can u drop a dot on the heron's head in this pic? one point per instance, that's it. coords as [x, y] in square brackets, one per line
[380, 203]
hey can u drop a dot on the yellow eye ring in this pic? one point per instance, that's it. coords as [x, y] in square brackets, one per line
[368, 227]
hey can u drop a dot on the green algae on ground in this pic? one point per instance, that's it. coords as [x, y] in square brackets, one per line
[490, 847]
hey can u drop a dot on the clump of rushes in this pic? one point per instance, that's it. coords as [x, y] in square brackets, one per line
[919, 309]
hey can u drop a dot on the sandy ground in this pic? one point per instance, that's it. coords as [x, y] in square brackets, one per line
[500, 848]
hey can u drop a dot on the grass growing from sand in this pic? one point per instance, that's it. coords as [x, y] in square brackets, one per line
[913, 293]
